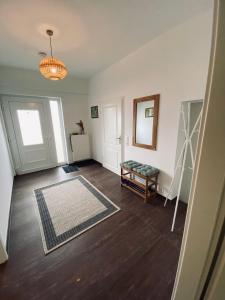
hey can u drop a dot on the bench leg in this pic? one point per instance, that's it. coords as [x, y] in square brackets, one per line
[156, 184]
[146, 190]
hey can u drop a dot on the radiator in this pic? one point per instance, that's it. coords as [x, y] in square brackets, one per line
[80, 147]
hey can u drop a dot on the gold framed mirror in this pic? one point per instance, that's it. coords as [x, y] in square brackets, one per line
[145, 121]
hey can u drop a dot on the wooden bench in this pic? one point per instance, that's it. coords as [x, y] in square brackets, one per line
[131, 174]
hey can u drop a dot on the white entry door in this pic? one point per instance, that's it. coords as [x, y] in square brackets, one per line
[112, 136]
[30, 134]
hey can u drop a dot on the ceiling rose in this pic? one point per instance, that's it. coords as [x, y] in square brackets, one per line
[51, 67]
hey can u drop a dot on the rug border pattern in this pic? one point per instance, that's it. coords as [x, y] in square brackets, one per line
[49, 238]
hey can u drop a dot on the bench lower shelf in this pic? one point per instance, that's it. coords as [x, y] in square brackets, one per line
[133, 190]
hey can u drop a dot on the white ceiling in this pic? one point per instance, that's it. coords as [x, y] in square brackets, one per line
[89, 35]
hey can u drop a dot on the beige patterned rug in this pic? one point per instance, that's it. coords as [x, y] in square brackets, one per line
[69, 208]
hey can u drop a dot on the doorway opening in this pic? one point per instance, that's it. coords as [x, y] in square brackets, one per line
[35, 130]
[188, 132]
[112, 140]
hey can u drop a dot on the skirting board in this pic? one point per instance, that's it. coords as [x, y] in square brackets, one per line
[170, 197]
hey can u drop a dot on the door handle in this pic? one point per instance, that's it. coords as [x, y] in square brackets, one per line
[119, 138]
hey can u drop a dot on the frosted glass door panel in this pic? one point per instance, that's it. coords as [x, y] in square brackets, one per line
[30, 127]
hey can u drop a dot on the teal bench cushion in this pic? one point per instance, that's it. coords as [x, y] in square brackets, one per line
[130, 164]
[142, 169]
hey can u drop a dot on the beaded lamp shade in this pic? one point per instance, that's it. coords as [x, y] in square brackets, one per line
[51, 67]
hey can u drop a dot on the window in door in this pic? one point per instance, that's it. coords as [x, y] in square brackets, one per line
[58, 131]
[30, 127]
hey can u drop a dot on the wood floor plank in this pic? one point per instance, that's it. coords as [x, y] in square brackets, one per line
[132, 255]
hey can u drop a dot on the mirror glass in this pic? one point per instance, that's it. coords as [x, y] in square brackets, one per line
[145, 121]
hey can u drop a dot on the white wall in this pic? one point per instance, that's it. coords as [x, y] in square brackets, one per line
[175, 65]
[73, 93]
[6, 183]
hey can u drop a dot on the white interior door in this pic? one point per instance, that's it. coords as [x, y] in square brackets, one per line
[30, 134]
[112, 136]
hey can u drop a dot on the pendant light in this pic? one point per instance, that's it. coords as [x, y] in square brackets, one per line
[50, 67]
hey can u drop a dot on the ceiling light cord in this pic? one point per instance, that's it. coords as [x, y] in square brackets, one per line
[51, 67]
[51, 45]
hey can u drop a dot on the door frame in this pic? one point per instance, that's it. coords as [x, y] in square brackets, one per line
[2, 118]
[206, 211]
[5, 99]
[214, 286]
[3, 253]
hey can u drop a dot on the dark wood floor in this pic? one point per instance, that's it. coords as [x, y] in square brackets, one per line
[132, 255]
